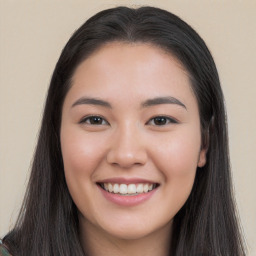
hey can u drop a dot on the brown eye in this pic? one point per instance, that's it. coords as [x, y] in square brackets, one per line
[161, 120]
[94, 120]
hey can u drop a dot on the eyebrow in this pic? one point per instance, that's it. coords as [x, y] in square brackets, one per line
[162, 100]
[92, 101]
[147, 103]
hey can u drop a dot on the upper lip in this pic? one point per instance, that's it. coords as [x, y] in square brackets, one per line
[122, 180]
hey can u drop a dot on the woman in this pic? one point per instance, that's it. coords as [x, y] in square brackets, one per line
[132, 155]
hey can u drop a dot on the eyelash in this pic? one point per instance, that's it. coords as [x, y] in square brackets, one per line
[165, 119]
[90, 118]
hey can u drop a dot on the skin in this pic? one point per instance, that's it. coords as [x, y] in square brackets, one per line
[128, 142]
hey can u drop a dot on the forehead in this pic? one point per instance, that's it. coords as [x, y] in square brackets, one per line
[128, 52]
[132, 70]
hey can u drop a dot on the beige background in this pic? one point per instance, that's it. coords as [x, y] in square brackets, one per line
[32, 34]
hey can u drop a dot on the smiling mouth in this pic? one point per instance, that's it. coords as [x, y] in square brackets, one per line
[128, 189]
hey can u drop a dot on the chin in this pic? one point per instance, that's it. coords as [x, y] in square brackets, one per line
[129, 234]
[134, 231]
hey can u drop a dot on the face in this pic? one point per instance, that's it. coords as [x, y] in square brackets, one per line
[130, 139]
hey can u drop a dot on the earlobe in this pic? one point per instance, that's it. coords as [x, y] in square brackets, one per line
[202, 158]
[204, 147]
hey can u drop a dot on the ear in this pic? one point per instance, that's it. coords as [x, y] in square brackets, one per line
[202, 157]
[205, 144]
[203, 151]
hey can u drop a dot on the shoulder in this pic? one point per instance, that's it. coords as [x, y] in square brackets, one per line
[3, 250]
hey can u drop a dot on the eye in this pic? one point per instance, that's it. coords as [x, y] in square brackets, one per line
[94, 120]
[161, 120]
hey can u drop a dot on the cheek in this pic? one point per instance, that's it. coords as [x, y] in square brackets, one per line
[81, 156]
[80, 152]
[177, 157]
[177, 154]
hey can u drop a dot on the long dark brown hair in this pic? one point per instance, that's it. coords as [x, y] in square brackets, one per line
[207, 223]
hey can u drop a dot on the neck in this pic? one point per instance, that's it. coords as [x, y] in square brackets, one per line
[97, 242]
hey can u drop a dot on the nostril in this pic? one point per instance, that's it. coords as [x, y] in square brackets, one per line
[126, 159]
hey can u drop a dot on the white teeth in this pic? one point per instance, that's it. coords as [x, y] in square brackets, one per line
[139, 188]
[145, 188]
[128, 189]
[131, 189]
[123, 189]
[110, 187]
[116, 188]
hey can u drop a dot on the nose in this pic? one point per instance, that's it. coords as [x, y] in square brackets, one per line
[127, 148]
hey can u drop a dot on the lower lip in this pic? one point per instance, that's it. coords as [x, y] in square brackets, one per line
[127, 200]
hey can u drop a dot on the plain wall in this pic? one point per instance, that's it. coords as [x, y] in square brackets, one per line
[32, 35]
